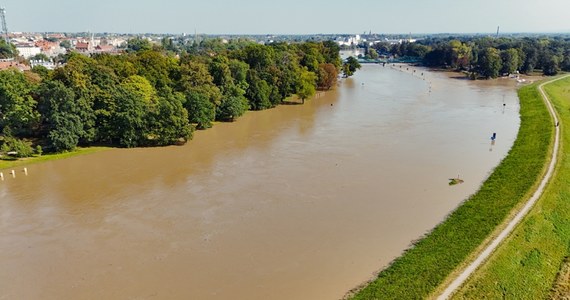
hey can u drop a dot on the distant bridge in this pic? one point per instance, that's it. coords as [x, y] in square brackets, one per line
[405, 60]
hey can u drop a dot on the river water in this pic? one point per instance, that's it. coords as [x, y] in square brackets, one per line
[297, 202]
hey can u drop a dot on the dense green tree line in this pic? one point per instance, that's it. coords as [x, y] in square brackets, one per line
[488, 57]
[155, 95]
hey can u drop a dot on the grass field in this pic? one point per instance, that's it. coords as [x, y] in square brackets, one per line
[527, 264]
[6, 164]
[422, 268]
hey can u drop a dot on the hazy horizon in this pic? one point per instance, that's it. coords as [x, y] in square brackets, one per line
[296, 17]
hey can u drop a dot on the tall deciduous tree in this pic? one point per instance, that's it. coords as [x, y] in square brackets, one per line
[201, 111]
[121, 65]
[258, 57]
[551, 65]
[234, 104]
[327, 76]
[138, 44]
[129, 119]
[510, 61]
[459, 55]
[221, 72]
[258, 92]
[286, 73]
[202, 95]
[61, 116]
[372, 54]
[239, 73]
[141, 87]
[306, 85]
[155, 67]
[168, 122]
[17, 106]
[350, 66]
[490, 63]
[331, 53]
[77, 75]
[312, 55]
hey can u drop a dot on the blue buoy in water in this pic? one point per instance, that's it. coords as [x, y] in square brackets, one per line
[494, 136]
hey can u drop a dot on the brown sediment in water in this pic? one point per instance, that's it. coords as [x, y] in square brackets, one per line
[297, 202]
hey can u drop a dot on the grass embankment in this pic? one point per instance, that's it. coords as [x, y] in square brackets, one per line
[5, 164]
[527, 264]
[421, 269]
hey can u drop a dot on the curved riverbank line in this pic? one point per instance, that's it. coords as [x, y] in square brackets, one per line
[21, 162]
[537, 250]
[425, 266]
[5, 164]
[482, 257]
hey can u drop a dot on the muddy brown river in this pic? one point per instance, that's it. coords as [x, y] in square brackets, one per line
[298, 202]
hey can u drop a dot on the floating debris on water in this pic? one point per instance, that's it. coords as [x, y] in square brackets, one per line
[454, 181]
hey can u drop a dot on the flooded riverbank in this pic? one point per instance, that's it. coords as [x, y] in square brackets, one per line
[298, 202]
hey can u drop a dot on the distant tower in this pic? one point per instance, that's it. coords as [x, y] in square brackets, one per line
[91, 46]
[497, 31]
[4, 26]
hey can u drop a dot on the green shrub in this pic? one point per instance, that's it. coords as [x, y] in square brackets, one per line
[16, 147]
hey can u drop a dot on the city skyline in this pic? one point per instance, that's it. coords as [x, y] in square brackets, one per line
[293, 17]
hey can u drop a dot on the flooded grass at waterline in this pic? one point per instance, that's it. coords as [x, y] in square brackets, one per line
[20, 163]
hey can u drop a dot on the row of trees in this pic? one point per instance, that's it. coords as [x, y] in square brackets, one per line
[152, 96]
[488, 57]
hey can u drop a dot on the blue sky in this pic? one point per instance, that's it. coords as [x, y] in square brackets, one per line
[291, 16]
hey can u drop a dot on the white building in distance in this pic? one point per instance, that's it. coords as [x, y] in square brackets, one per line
[350, 41]
[28, 51]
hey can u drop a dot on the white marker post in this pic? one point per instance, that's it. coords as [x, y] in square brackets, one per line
[13, 174]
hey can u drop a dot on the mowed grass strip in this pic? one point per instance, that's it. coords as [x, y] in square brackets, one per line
[528, 264]
[423, 267]
[6, 164]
